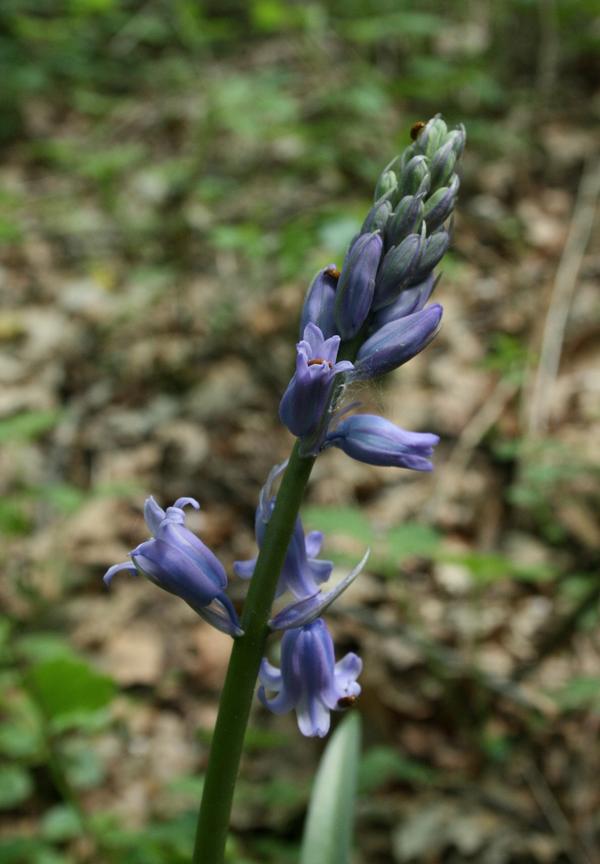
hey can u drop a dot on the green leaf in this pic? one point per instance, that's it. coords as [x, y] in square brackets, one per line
[61, 823]
[328, 830]
[347, 521]
[15, 786]
[580, 693]
[383, 764]
[28, 425]
[64, 687]
[411, 540]
[18, 741]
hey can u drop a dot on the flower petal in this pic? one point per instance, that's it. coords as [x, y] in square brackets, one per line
[310, 608]
[153, 515]
[116, 568]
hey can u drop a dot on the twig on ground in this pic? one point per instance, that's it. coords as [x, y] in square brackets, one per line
[563, 290]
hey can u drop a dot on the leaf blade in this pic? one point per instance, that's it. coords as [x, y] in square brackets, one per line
[328, 829]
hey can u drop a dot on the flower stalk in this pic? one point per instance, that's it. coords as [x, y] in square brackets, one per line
[247, 653]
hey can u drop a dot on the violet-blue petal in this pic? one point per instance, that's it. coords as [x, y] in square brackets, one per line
[376, 441]
[411, 300]
[164, 565]
[309, 681]
[126, 566]
[307, 396]
[305, 611]
[397, 342]
[302, 572]
[186, 542]
[356, 284]
[153, 515]
[319, 302]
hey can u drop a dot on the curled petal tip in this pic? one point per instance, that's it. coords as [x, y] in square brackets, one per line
[184, 502]
[116, 568]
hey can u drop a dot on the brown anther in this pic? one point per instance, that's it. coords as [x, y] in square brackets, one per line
[346, 701]
[333, 272]
[318, 361]
[416, 129]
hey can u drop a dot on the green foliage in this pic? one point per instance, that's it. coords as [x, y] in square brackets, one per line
[16, 786]
[28, 425]
[328, 830]
[65, 688]
[61, 823]
[580, 693]
[382, 765]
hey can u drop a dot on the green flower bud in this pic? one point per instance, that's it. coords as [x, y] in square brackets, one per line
[386, 184]
[432, 137]
[441, 204]
[377, 216]
[406, 220]
[415, 178]
[442, 164]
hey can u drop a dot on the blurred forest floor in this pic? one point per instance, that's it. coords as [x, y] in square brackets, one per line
[171, 179]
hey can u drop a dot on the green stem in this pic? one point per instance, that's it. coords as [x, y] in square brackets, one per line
[248, 650]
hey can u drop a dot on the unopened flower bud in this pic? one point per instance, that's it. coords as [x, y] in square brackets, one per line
[440, 205]
[410, 300]
[319, 302]
[397, 342]
[432, 137]
[397, 270]
[377, 441]
[377, 216]
[356, 284]
[442, 164]
[405, 220]
[388, 182]
[415, 178]
[434, 249]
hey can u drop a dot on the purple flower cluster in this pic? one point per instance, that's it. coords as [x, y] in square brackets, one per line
[309, 680]
[375, 308]
[375, 313]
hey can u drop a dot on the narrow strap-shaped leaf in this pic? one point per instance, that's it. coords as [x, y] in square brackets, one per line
[328, 830]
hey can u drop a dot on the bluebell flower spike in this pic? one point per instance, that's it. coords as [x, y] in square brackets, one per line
[377, 441]
[310, 681]
[308, 610]
[308, 394]
[177, 561]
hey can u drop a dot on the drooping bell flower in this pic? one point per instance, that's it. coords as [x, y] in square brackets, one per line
[376, 441]
[180, 563]
[307, 396]
[310, 681]
[302, 572]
